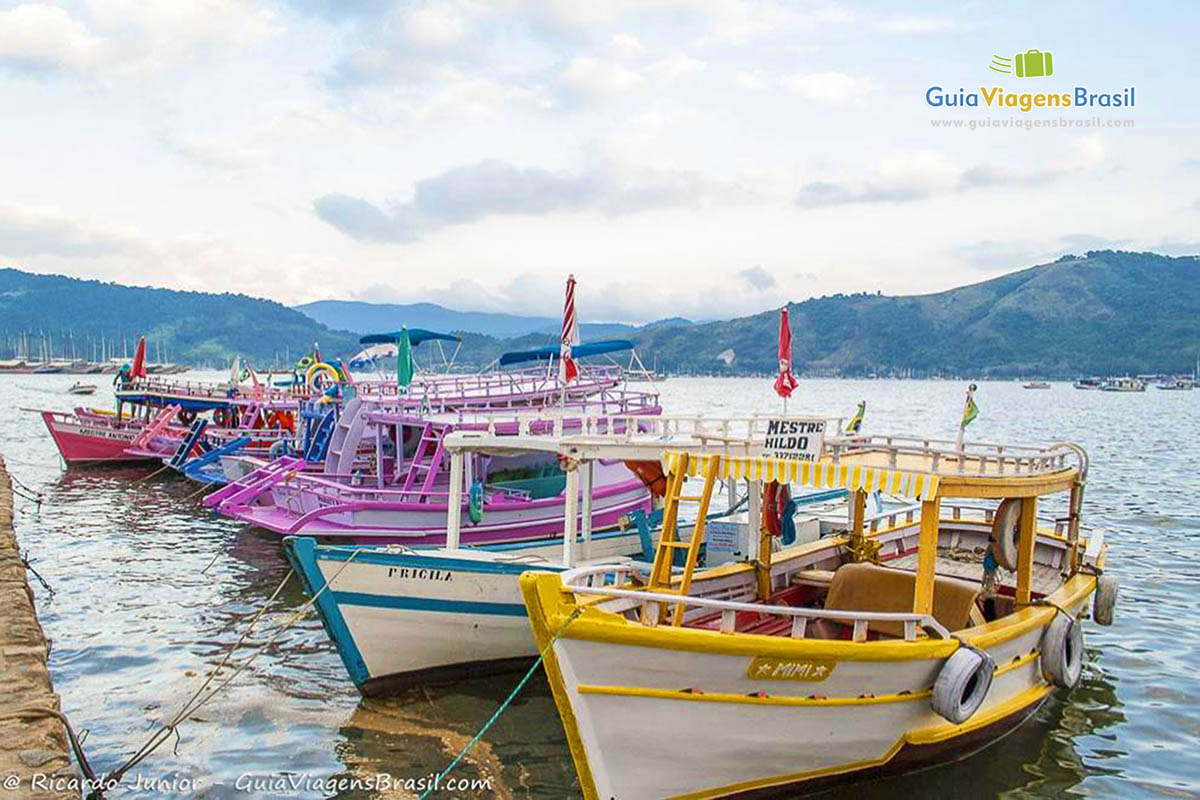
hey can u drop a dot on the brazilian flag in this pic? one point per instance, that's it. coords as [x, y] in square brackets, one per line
[970, 411]
[855, 424]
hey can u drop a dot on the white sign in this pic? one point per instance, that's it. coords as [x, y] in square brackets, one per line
[794, 439]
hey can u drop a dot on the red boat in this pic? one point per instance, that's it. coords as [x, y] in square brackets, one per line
[93, 437]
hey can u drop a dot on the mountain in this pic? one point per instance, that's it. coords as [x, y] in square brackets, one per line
[187, 327]
[363, 317]
[1108, 312]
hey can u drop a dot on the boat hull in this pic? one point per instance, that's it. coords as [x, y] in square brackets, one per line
[81, 442]
[403, 618]
[740, 736]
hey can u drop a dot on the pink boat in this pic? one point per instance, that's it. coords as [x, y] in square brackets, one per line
[92, 437]
[386, 478]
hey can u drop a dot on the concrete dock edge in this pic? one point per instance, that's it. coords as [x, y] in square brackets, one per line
[34, 752]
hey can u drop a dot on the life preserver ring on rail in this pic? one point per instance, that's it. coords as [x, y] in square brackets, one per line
[321, 368]
[1062, 651]
[651, 474]
[223, 417]
[1006, 533]
[963, 684]
[775, 501]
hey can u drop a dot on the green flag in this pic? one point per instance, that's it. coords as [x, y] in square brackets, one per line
[404, 359]
[970, 410]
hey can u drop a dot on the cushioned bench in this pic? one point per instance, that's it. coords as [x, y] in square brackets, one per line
[871, 587]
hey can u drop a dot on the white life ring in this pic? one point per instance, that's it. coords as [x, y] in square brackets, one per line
[1062, 652]
[962, 684]
[1006, 533]
[1105, 601]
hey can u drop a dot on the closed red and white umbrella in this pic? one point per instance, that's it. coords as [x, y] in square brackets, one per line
[568, 370]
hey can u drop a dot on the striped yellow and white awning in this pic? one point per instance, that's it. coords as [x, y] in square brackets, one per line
[822, 474]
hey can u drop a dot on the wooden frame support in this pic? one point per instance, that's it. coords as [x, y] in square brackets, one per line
[1028, 537]
[858, 512]
[927, 556]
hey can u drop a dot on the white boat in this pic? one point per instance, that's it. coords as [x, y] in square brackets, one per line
[1035, 385]
[1176, 385]
[400, 615]
[898, 646]
[1088, 383]
[82, 388]
[1125, 384]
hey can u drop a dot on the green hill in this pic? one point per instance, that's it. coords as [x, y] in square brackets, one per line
[1104, 313]
[187, 327]
[1107, 312]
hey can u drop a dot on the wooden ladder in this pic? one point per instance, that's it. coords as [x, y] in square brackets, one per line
[664, 554]
[427, 458]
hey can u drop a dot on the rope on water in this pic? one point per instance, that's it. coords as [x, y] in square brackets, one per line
[36, 712]
[441, 776]
[24, 558]
[144, 478]
[199, 698]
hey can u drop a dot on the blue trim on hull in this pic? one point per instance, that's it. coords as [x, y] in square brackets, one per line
[301, 552]
[425, 604]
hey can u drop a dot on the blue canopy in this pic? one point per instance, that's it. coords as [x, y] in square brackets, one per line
[578, 351]
[415, 336]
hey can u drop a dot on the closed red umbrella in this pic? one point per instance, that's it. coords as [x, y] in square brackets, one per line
[138, 370]
[786, 382]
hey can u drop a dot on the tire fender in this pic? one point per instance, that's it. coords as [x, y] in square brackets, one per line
[1105, 600]
[1006, 533]
[1062, 652]
[963, 684]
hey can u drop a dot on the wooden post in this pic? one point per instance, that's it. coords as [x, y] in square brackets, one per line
[570, 515]
[589, 475]
[1025, 549]
[454, 500]
[927, 556]
[858, 512]
[1076, 510]
[762, 561]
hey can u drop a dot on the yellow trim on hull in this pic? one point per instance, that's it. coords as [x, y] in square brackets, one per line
[721, 697]
[922, 736]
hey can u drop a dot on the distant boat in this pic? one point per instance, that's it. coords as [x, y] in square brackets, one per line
[1088, 383]
[82, 388]
[46, 369]
[1035, 385]
[1176, 385]
[1123, 385]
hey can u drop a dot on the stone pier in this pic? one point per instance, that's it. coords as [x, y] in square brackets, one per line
[34, 750]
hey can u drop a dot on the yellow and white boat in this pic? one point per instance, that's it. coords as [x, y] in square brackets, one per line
[907, 641]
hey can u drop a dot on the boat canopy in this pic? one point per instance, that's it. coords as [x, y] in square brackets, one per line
[415, 337]
[578, 351]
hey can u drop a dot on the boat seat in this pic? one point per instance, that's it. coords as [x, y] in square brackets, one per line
[813, 577]
[871, 587]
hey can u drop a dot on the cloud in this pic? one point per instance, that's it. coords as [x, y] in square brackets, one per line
[912, 25]
[598, 77]
[119, 36]
[626, 46]
[750, 79]
[758, 278]
[470, 193]
[834, 88]
[25, 233]
[42, 38]
[675, 66]
[916, 176]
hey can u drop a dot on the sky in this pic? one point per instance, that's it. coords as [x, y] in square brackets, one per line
[697, 158]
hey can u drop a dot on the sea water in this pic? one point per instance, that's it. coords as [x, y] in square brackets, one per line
[151, 590]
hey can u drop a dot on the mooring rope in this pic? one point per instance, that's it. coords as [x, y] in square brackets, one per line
[24, 559]
[196, 701]
[34, 712]
[441, 776]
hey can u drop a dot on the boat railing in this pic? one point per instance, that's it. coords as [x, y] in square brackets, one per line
[962, 512]
[742, 431]
[607, 580]
[1004, 458]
